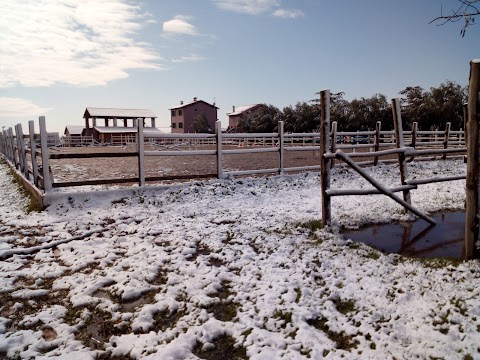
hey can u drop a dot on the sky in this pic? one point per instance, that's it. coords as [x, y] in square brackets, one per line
[59, 57]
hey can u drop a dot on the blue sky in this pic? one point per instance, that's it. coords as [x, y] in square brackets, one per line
[58, 57]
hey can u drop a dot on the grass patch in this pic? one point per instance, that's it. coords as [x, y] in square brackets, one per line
[223, 310]
[223, 349]
[33, 205]
[343, 340]
[201, 249]
[98, 329]
[164, 320]
[439, 263]
[311, 225]
[374, 255]
[344, 306]
[285, 316]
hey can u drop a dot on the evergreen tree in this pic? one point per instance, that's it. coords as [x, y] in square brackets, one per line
[200, 124]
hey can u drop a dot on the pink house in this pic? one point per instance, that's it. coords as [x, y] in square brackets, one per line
[182, 116]
[237, 113]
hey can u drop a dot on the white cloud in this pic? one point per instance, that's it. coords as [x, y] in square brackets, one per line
[179, 25]
[192, 57]
[252, 7]
[288, 13]
[80, 43]
[17, 107]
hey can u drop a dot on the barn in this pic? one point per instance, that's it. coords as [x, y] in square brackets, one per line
[112, 125]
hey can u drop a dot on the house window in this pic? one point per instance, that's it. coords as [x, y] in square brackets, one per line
[174, 125]
[173, 112]
[179, 112]
[180, 125]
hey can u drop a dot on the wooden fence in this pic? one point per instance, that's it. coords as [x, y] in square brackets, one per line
[402, 151]
[33, 162]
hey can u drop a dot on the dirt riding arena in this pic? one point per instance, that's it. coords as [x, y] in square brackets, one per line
[65, 170]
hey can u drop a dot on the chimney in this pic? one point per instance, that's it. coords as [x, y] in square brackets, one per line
[181, 102]
[195, 98]
[233, 108]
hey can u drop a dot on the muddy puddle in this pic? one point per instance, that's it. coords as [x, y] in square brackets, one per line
[417, 238]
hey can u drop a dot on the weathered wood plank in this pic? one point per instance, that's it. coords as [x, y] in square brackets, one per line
[473, 168]
[325, 162]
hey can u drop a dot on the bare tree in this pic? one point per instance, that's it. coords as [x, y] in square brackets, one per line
[466, 11]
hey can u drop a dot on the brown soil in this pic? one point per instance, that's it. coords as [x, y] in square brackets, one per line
[65, 170]
[127, 167]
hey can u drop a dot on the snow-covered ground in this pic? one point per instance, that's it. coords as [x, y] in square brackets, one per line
[232, 269]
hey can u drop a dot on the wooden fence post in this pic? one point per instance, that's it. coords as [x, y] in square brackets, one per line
[397, 122]
[324, 162]
[47, 181]
[465, 122]
[5, 145]
[378, 128]
[13, 146]
[8, 146]
[141, 153]
[22, 153]
[2, 144]
[21, 166]
[473, 174]
[446, 138]
[33, 149]
[218, 137]
[281, 145]
[414, 135]
[333, 142]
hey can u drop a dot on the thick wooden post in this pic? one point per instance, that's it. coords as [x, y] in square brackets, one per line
[5, 146]
[14, 147]
[333, 142]
[378, 128]
[397, 122]
[218, 137]
[414, 135]
[465, 121]
[33, 149]
[21, 165]
[281, 145]
[47, 181]
[473, 174]
[446, 138]
[324, 162]
[2, 144]
[8, 154]
[141, 153]
[22, 153]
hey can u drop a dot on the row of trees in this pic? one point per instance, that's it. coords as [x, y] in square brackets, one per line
[431, 109]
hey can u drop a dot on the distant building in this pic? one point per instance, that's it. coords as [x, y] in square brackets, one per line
[237, 113]
[182, 116]
[74, 135]
[74, 130]
[116, 123]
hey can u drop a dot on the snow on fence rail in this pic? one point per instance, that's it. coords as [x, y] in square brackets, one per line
[32, 163]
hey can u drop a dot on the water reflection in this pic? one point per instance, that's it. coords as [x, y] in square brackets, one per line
[417, 238]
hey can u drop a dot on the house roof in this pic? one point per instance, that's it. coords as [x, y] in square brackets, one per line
[241, 109]
[191, 103]
[118, 113]
[74, 129]
[147, 131]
